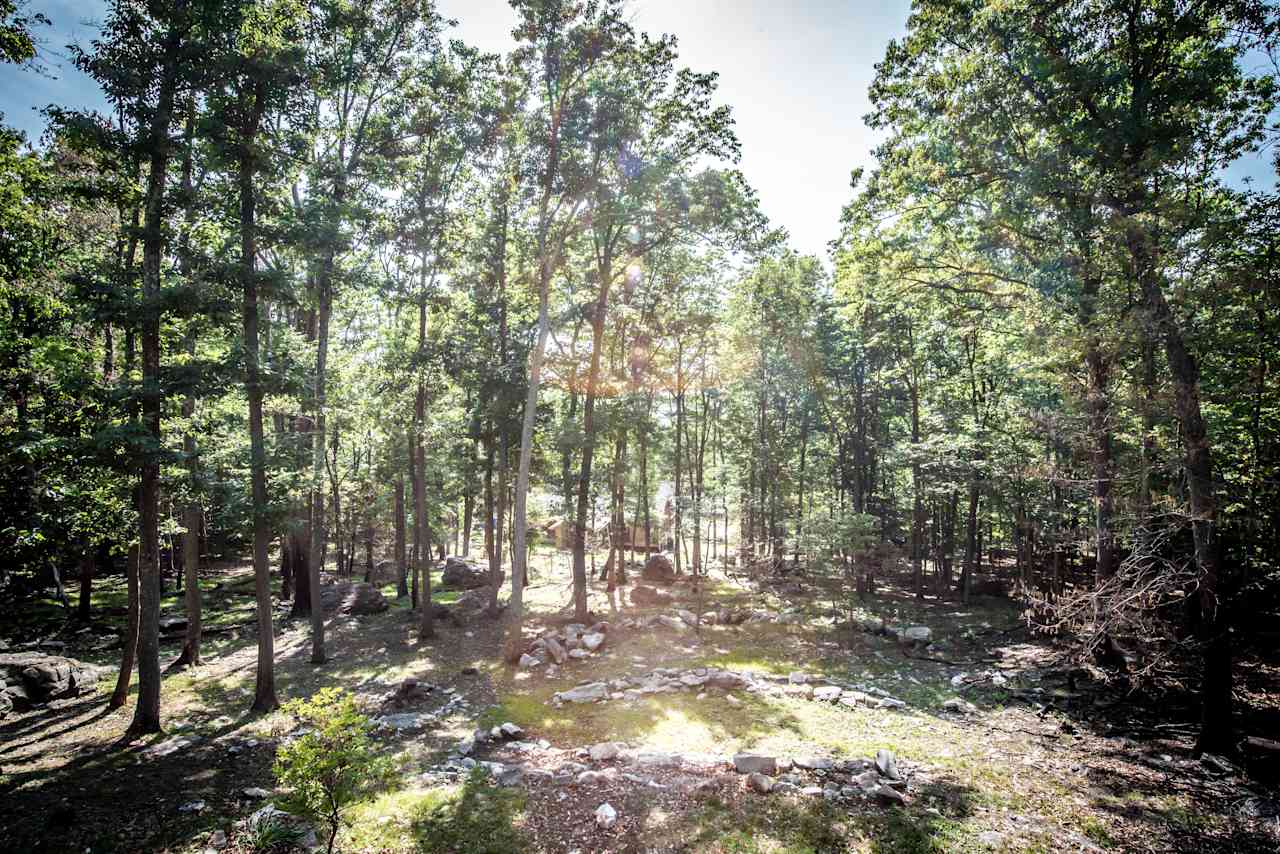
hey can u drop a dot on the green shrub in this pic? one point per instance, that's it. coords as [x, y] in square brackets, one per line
[333, 763]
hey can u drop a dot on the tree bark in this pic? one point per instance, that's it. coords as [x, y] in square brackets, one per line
[402, 588]
[264, 696]
[146, 717]
[605, 270]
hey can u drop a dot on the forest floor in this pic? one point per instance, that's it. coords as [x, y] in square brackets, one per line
[1049, 760]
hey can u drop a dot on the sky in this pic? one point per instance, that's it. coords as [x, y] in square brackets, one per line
[795, 72]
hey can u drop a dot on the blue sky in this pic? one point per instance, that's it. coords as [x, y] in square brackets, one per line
[796, 74]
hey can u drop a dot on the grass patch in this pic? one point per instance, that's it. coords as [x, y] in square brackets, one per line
[475, 818]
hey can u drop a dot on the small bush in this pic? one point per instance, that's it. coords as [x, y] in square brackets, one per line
[333, 763]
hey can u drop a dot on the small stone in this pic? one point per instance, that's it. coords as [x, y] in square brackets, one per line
[813, 763]
[218, 839]
[755, 763]
[761, 783]
[579, 654]
[604, 751]
[592, 641]
[557, 651]
[528, 661]
[606, 816]
[826, 693]
[887, 764]
[192, 806]
[890, 795]
[797, 677]
[956, 704]
[256, 793]
[511, 730]
[917, 634]
[812, 791]
[588, 693]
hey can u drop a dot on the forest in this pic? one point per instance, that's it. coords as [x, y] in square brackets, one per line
[410, 448]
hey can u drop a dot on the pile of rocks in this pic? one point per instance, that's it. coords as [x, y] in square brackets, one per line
[909, 635]
[666, 680]
[410, 691]
[880, 778]
[848, 779]
[574, 641]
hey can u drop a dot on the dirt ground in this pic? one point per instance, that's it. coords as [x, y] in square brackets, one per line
[1049, 759]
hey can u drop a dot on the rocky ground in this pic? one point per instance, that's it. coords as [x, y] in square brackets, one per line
[732, 718]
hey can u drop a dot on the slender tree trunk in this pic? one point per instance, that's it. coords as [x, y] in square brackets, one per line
[317, 498]
[426, 621]
[1217, 727]
[264, 697]
[146, 717]
[402, 588]
[605, 270]
[84, 607]
[129, 643]
[495, 566]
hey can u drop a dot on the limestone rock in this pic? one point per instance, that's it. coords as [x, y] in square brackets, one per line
[606, 816]
[755, 763]
[887, 764]
[761, 783]
[588, 693]
[592, 641]
[555, 649]
[956, 704]
[604, 751]
[917, 634]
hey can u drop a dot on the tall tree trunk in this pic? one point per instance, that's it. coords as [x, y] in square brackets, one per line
[1098, 404]
[191, 514]
[129, 644]
[317, 497]
[495, 564]
[1217, 727]
[84, 607]
[402, 588]
[146, 716]
[264, 695]
[426, 617]
[605, 271]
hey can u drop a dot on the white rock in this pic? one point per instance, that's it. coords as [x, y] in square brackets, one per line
[578, 654]
[956, 704]
[755, 763]
[528, 660]
[588, 693]
[826, 693]
[917, 634]
[257, 793]
[511, 730]
[606, 816]
[604, 751]
[797, 677]
[593, 641]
